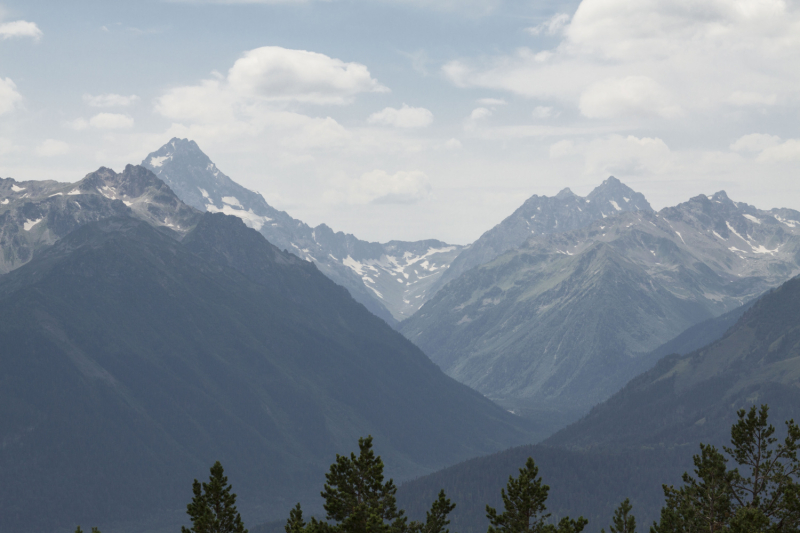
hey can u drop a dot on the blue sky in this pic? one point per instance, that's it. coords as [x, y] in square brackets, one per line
[406, 119]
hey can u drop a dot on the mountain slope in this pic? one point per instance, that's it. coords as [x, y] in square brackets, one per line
[392, 280]
[645, 435]
[561, 323]
[35, 214]
[542, 215]
[131, 362]
[684, 399]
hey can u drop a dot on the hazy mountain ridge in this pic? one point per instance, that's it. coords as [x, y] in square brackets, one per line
[35, 214]
[542, 215]
[561, 322]
[392, 279]
[645, 434]
[132, 361]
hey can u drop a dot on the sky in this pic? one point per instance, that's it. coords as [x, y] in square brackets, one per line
[413, 119]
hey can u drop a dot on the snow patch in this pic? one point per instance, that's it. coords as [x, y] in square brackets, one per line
[29, 224]
[204, 193]
[790, 223]
[17, 189]
[158, 161]
[73, 192]
[734, 231]
[626, 199]
[232, 200]
[250, 219]
[679, 235]
[4, 202]
[720, 237]
[617, 207]
[751, 218]
[56, 194]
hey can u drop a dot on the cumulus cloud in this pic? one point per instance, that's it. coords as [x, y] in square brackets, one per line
[480, 113]
[490, 102]
[380, 187]
[554, 25]
[755, 142]
[109, 100]
[51, 148]
[276, 73]
[111, 121]
[9, 97]
[405, 117]
[662, 56]
[627, 156]
[20, 28]
[632, 95]
[787, 151]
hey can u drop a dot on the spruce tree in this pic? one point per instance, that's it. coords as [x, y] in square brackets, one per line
[524, 502]
[213, 507]
[436, 519]
[623, 521]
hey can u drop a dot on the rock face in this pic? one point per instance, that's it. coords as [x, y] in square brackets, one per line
[35, 214]
[559, 324]
[132, 360]
[542, 215]
[392, 280]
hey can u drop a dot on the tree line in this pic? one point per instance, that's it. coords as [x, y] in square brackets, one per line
[760, 494]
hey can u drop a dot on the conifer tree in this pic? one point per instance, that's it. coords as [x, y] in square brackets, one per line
[623, 521]
[213, 507]
[358, 501]
[524, 502]
[762, 497]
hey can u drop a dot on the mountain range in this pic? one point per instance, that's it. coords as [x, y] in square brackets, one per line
[135, 355]
[645, 434]
[392, 280]
[559, 324]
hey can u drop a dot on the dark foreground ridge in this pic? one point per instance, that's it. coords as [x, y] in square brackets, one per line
[131, 361]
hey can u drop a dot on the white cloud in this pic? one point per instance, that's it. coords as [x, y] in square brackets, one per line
[109, 100]
[554, 25]
[627, 156]
[629, 96]
[743, 98]
[661, 55]
[788, 151]
[562, 149]
[453, 144]
[111, 121]
[541, 112]
[380, 187]
[405, 117]
[20, 28]
[276, 73]
[9, 97]
[51, 148]
[490, 102]
[480, 113]
[755, 142]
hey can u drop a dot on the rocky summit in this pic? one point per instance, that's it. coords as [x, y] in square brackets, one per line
[562, 322]
[392, 280]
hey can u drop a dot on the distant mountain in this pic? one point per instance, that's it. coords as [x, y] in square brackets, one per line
[131, 362]
[561, 323]
[392, 280]
[690, 398]
[542, 215]
[644, 435]
[35, 214]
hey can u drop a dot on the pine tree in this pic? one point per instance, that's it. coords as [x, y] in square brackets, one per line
[524, 504]
[213, 507]
[763, 499]
[358, 500]
[356, 496]
[623, 521]
[436, 519]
